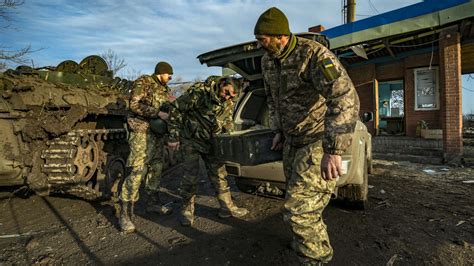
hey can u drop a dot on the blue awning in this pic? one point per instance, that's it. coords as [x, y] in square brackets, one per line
[429, 13]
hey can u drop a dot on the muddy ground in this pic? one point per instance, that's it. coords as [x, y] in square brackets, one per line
[417, 215]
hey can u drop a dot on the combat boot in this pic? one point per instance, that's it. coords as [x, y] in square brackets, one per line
[125, 221]
[186, 217]
[154, 205]
[228, 208]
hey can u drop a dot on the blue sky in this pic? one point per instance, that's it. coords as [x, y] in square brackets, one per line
[145, 32]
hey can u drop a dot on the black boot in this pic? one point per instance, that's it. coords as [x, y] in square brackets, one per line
[154, 205]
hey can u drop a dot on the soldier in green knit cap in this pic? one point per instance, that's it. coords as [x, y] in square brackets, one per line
[148, 95]
[313, 109]
[204, 111]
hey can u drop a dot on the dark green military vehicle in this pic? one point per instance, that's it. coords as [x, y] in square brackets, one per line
[247, 151]
[62, 129]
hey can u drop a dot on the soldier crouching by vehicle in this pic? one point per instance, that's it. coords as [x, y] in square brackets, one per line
[204, 111]
[149, 94]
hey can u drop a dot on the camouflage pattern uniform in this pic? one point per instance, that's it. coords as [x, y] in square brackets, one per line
[313, 102]
[145, 159]
[198, 116]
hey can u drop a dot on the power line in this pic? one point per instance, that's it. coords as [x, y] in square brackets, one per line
[343, 11]
[373, 6]
[470, 90]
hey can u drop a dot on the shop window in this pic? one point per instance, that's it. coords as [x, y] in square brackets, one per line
[391, 95]
[426, 89]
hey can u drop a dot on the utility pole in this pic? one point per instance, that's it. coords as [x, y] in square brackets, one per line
[351, 11]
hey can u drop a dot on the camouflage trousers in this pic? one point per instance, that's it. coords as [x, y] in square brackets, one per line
[189, 156]
[145, 161]
[306, 197]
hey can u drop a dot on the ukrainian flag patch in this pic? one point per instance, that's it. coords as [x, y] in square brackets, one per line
[329, 69]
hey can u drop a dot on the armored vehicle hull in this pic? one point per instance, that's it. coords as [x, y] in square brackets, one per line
[63, 129]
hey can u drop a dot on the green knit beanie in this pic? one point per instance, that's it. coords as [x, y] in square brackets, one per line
[272, 22]
[163, 68]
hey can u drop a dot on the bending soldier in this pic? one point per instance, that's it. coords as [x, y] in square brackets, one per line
[313, 109]
[204, 111]
[149, 93]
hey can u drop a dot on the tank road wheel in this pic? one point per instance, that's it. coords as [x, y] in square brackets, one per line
[114, 176]
[87, 159]
[115, 173]
[94, 65]
[68, 66]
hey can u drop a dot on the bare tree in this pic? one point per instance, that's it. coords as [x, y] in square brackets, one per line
[8, 55]
[113, 61]
[132, 74]
[6, 7]
[179, 86]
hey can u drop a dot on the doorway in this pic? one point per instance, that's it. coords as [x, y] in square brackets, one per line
[391, 108]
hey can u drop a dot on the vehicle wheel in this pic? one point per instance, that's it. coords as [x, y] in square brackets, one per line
[370, 167]
[115, 174]
[244, 186]
[364, 188]
[368, 154]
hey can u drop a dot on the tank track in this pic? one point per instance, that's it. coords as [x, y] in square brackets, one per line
[73, 160]
[81, 191]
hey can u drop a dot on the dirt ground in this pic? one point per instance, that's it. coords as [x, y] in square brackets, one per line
[417, 214]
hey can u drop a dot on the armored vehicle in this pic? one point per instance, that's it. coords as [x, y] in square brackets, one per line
[62, 129]
[247, 151]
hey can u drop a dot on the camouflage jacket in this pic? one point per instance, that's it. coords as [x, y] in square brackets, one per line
[198, 115]
[310, 95]
[147, 95]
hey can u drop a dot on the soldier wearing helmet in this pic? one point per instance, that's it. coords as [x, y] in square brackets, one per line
[313, 108]
[197, 116]
[148, 96]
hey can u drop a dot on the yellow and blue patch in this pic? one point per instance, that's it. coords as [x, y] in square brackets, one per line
[329, 69]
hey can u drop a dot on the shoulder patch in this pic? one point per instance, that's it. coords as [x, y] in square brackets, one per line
[329, 70]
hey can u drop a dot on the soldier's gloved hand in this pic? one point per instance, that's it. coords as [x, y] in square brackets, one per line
[277, 142]
[174, 146]
[331, 166]
[163, 115]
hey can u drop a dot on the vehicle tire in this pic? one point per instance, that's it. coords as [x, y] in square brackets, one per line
[370, 167]
[245, 186]
[364, 188]
[115, 175]
[368, 154]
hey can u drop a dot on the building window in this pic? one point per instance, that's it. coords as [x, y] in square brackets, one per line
[426, 89]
